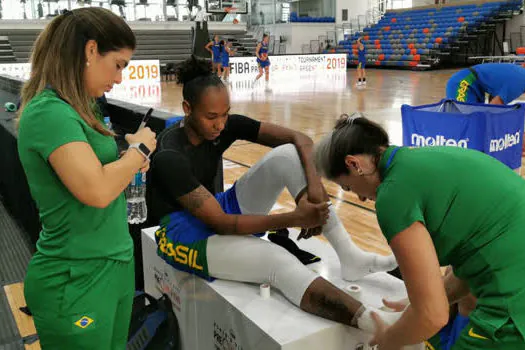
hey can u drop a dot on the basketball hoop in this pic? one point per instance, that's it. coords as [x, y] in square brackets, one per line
[231, 9]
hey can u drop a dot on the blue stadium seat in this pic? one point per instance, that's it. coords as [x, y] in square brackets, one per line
[414, 32]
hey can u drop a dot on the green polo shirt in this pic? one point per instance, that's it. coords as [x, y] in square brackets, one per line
[474, 209]
[70, 229]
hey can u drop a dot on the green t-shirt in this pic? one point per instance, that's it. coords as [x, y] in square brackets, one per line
[474, 209]
[70, 229]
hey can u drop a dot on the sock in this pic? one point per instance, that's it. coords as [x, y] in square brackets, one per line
[366, 323]
[355, 262]
[280, 168]
[281, 238]
[280, 232]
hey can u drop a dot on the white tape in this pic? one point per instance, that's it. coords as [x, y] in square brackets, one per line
[265, 291]
[355, 291]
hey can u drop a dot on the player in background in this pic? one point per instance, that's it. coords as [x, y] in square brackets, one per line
[361, 63]
[215, 48]
[226, 53]
[262, 60]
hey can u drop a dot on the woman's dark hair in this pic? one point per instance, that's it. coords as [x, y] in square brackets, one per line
[265, 36]
[221, 46]
[196, 75]
[352, 135]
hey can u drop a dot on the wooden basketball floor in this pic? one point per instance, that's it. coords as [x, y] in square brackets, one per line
[311, 103]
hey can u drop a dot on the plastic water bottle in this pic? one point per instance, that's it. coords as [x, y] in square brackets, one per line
[136, 199]
[135, 194]
[107, 121]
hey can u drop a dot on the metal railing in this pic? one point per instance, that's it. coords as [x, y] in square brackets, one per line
[498, 59]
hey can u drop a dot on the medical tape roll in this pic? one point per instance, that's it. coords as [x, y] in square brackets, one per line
[265, 291]
[355, 291]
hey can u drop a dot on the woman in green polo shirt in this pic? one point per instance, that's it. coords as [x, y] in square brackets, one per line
[80, 282]
[439, 206]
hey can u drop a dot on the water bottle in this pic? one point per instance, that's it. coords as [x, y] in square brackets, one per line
[107, 121]
[136, 199]
[135, 194]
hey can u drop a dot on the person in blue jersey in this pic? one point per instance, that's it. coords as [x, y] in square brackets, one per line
[361, 63]
[215, 48]
[226, 53]
[261, 51]
[503, 82]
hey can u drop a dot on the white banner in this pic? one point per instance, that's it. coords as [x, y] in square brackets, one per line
[138, 92]
[17, 70]
[241, 67]
[136, 71]
[283, 84]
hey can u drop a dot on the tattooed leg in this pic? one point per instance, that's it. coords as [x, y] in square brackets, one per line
[326, 300]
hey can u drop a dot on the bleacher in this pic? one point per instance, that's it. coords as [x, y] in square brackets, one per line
[168, 46]
[244, 43]
[418, 37]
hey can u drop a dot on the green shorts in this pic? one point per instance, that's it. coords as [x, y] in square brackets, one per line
[447, 337]
[506, 338]
[80, 304]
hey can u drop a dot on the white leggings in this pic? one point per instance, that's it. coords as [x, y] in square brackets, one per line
[251, 259]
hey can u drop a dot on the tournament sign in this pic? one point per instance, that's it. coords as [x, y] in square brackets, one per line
[244, 67]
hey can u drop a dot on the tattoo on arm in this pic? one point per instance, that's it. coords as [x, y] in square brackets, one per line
[193, 200]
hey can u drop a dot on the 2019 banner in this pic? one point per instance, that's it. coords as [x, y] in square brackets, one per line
[138, 70]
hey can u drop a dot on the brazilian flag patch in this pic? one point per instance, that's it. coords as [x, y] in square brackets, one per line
[84, 322]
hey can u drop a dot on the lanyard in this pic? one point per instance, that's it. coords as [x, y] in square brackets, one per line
[391, 157]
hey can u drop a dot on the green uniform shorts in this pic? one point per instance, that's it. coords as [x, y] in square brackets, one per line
[80, 304]
[473, 337]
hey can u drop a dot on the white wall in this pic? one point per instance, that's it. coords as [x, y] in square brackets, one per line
[416, 3]
[514, 24]
[355, 8]
[298, 34]
[314, 8]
